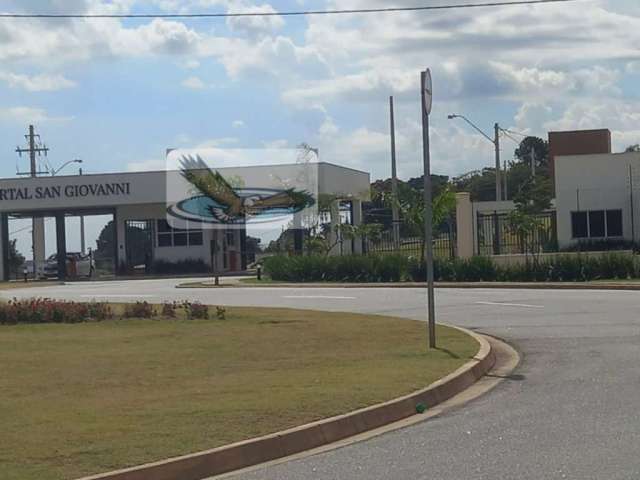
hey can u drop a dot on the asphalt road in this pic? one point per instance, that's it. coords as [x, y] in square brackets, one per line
[572, 411]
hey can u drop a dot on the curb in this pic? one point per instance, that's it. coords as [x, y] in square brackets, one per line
[251, 452]
[443, 285]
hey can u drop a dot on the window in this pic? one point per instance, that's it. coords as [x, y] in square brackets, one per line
[179, 237]
[596, 224]
[579, 225]
[230, 238]
[614, 223]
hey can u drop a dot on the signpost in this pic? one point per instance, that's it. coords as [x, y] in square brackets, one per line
[427, 102]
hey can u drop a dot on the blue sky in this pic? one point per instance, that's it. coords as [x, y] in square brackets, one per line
[118, 93]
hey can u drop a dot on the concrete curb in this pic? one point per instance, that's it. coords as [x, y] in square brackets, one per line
[444, 285]
[313, 435]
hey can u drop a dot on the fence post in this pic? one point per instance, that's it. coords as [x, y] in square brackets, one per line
[496, 234]
[464, 225]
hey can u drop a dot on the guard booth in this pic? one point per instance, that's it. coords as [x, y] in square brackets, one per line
[150, 223]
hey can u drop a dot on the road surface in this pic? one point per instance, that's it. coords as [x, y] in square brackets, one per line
[572, 411]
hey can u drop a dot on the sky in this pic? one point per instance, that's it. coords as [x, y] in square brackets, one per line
[118, 93]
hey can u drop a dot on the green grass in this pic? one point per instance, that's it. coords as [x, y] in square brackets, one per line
[87, 398]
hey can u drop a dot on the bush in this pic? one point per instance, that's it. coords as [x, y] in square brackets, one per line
[44, 310]
[181, 267]
[169, 310]
[319, 268]
[196, 310]
[396, 268]
[139, 310]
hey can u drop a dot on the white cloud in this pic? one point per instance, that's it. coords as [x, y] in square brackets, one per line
[273, 144]
[147, 165]
[194, 83]
[22, 115]
[254, 26]
[36, 83]
[237, 124]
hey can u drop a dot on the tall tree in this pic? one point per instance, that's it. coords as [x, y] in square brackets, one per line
[540, 148]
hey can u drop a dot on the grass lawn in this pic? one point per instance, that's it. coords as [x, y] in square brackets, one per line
[87, 398]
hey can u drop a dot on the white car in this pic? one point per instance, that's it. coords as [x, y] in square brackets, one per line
[78, 265]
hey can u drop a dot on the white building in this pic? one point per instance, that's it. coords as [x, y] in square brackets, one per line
[143, 200]
[597, 197]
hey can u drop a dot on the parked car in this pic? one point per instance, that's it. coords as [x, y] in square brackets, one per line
[78, 265]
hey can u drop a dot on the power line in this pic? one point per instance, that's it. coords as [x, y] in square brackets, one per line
[513, 132]
[282, 14]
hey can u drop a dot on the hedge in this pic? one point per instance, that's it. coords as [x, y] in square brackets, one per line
[397, 268]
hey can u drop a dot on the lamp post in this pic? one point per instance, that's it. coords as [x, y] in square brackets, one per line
[496, 143]
[55, 171]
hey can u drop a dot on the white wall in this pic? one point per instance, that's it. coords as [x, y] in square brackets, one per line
[597, 182]
[172, 254]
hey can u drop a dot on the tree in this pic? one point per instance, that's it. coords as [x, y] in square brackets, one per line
[480, 184]
[16, 259]
[531, 201]
[540, 148]
[410, 203]
[633, 148]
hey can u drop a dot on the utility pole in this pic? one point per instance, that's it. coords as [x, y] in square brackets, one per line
[496, 142]
[32, 150]
[37, 227]
[394, 181]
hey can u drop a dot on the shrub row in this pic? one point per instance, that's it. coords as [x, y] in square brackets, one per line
[44, 310]
[322, 268]
[394, 268]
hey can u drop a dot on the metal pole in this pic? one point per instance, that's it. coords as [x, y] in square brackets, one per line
[32, 150]
[506, 182]
[633, 221]
[82, 241]
[533, 162]
[496, 142]
[428, 217]
[394, 181]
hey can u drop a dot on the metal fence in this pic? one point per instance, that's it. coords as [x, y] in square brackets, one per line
[495, 235]
[444, 243]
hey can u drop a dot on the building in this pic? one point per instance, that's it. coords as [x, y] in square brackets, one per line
[150, 202]
[597, 197]
[577, 142]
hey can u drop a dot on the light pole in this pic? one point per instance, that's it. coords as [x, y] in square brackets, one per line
[55, 171]
[427, 100]
[496, 143]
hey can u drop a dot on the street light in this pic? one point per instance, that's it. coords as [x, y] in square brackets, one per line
[56, 171]
[496, 143]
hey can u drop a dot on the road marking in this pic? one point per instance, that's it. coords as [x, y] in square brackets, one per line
[117, 296]
[500, 304]
[319, 296]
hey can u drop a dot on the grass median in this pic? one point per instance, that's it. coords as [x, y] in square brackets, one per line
[80, 399]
